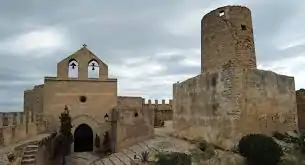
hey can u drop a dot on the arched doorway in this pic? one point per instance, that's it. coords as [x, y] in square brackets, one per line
[83, 138]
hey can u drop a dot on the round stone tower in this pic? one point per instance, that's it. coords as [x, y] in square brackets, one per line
[227, 38]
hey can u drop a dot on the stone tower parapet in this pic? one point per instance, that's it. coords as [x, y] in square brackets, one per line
[227, 37]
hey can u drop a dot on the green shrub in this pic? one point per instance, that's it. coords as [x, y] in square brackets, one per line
[259, 149]
[11, 157]
[302, 142]
[202, 145]
[144, 156]
[285, 137]
[174, 158]
[278, 136]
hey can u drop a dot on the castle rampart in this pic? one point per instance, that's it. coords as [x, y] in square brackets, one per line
[162, 109]
[16, 126]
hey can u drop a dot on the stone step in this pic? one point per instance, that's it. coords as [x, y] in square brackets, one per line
[28, 161]
[26, 152]
[32, 146]
[29, 156]
[35, 142]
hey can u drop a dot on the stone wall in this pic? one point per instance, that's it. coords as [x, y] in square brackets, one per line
[100, 98]
[270, 102]
[33, 101]
[135, 121]
[202, 106]
[16, 126]
[231, 103]
[300, 97]
[163, 110]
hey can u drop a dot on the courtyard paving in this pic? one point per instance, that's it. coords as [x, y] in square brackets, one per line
[161, 141]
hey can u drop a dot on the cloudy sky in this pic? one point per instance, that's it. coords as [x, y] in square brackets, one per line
[148, 45]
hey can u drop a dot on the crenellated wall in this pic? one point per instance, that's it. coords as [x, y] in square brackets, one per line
[162, 109]
[16, 126]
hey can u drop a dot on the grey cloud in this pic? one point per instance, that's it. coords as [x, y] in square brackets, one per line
[174, 68]
[266, 53]
[134, 28]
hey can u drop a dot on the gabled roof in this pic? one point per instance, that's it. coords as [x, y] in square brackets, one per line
[83, 53]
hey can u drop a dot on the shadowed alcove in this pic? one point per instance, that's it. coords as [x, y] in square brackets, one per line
[83, 138]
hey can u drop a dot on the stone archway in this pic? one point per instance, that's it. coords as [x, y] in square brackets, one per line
[83, 138]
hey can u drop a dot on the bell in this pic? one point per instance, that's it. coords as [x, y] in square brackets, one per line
[93, 65]
[73, 65]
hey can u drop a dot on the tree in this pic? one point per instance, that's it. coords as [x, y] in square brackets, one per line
[62, 142]
[173, 158]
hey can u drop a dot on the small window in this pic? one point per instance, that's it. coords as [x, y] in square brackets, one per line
[214, 81]
[221, 13]
[136, 114]
[83, 99]
[243, 27]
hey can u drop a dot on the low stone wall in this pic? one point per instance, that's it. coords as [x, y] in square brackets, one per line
[17, 126]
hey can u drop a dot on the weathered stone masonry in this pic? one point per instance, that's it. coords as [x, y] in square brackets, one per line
[300, 97]
[230, 97]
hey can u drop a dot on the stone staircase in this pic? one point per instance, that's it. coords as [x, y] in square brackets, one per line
[29, 154]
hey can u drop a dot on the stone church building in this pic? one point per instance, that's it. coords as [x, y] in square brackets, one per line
[94, 104]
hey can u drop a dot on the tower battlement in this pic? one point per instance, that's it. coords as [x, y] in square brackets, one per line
[163, 108]
[149, 102]
[300, 93]
[15, 118]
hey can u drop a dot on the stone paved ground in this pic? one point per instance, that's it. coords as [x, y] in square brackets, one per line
[162, 141]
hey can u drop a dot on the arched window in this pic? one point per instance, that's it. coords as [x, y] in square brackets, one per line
[73, 69]
[93, 69]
